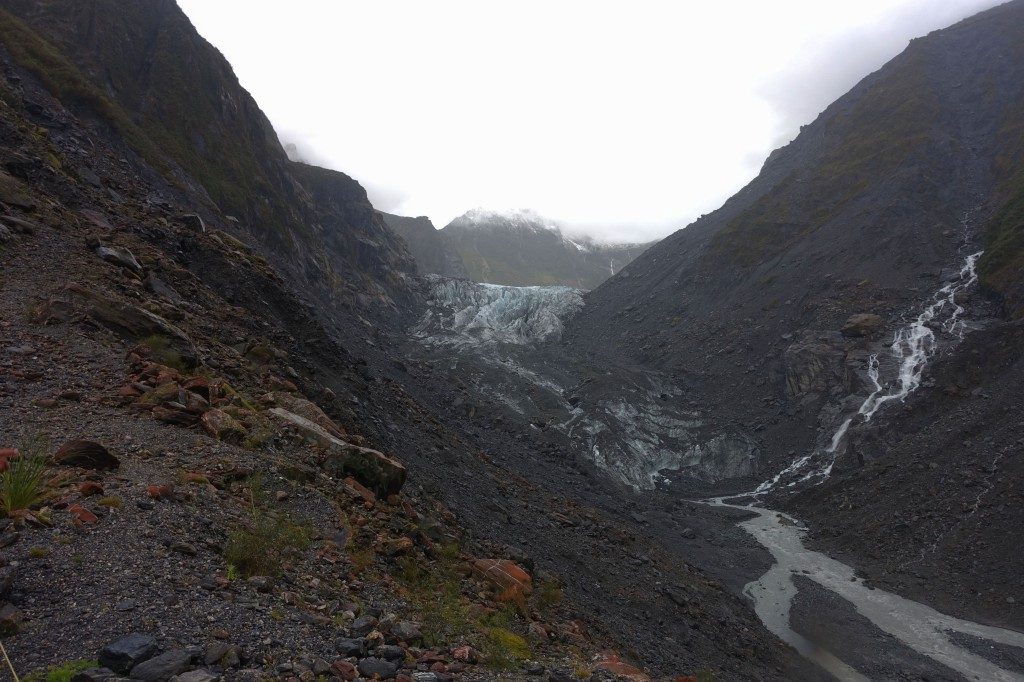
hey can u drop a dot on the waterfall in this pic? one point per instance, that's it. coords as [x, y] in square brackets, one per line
[911, 348]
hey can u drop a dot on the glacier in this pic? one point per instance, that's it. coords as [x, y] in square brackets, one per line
[631, 424]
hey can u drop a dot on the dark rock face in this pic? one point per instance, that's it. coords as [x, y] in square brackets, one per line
[187, 117]
[860, 214]
[430, 248]
[163, 667]
[377, 667]
[124, 654]
[86, 453]
[927, 499]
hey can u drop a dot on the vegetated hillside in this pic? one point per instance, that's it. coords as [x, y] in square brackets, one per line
[432, 251]
[268, 485]
[868, 210]
[524, 249]
[141, 71]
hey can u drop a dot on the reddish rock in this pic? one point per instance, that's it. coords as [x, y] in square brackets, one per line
[466, 654]
[538, 632]
[345, 670]
[167, 376]
[152, 370]
[10, 620]
[397, 546]
[160, 492]
[7, 454]
[196, 403]
[90, 488]
[223, 426]
[80, 515]
[170, 415]
[199, 384]
[862, 324]
[611, 663]
[277, 383]
[503, 574]
[361, 490]
[129, 391]
[86, 453]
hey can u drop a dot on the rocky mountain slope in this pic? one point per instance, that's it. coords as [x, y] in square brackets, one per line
[141, 71]
[432, 250]
[519, 248]
[774, 311]
[246, 476]
[271, 450]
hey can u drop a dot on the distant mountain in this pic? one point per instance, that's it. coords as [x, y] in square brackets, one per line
[430, 249]
[519, 248]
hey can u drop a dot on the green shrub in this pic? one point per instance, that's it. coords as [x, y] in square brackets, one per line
[61, 673]
[504, 649]
[161, 350]
[435, 592]
[260, 545]
[549, 595]
[21, 485]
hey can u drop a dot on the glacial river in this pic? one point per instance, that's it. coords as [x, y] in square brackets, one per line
[917, 626]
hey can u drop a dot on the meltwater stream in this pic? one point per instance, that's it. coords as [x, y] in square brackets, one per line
[917, 626]
[911, 348]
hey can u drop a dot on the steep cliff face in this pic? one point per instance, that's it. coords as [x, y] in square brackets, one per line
[866, 211]
[141, 71]
[431, 250]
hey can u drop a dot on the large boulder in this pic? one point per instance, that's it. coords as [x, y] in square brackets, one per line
[304, 408]
[124, 654]
[223, 426]
[862, 324]
[377, 668]
[119, 256]
[85, 453]
[132, 320]
[378, 472]
[163, 667]
[503, 574]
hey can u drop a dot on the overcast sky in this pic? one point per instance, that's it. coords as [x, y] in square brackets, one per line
[624, 119]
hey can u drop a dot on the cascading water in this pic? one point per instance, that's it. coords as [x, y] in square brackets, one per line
[911, 348]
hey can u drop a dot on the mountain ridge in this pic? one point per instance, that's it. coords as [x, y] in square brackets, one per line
[516, 248]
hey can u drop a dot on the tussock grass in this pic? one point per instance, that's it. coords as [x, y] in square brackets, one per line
[21, 485]
[260, 545]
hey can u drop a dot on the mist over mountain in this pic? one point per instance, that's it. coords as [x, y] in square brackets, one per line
[517, 248]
